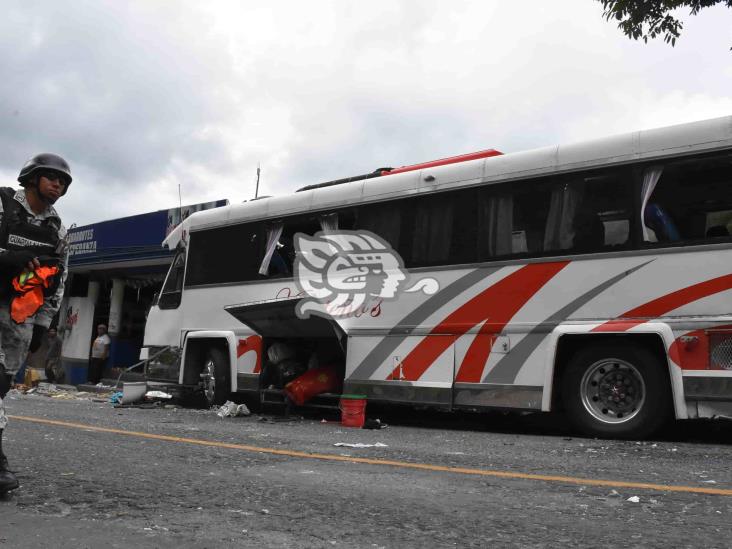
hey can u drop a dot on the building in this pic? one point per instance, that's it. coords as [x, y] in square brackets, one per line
[116, 268]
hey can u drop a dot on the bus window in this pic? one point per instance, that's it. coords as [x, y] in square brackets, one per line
[590, 212]
[225, 254]
[172, 290]
[384, 220]
[512, 219]
[431, 231]
[279, 257]
[689, 202]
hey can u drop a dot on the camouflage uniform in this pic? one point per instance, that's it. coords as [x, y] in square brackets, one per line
[15, 338]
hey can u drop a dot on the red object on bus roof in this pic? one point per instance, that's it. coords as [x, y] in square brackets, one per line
[444, 161]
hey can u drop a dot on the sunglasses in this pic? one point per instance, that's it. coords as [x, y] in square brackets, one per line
[54, 176]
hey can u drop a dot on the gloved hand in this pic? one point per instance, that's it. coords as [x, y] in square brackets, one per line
[4, 383]
[39, 332]
[14, 261]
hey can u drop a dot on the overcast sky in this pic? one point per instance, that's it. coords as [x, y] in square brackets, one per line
[144, 96]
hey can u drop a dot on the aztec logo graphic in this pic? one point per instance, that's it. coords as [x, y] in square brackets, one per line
[345, 271]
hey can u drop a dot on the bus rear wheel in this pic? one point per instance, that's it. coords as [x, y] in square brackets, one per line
[215, 377]
[616, 392]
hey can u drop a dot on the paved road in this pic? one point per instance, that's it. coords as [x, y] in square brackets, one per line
[187, 478]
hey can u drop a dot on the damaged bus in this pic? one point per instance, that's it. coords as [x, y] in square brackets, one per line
[594, 278]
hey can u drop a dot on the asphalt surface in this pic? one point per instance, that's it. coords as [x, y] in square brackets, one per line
[438, 481]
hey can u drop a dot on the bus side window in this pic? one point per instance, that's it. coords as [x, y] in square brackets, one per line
[688, 201]
[224, 255]
[170, 295]
[281, 242]
[432, 231]
[384, 220]
[512, 219]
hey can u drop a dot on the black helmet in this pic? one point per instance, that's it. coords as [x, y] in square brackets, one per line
[45, 161]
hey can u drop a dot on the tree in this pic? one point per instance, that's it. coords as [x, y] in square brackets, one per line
[650, 18]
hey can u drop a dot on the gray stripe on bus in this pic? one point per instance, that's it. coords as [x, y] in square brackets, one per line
[507, 368]
[380, 353]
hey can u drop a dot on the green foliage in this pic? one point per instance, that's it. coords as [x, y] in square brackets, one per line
[651, 18]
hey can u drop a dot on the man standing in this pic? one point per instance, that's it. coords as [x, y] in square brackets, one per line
[33, 261]
[99, 354]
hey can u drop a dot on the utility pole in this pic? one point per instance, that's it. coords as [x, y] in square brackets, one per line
[256, 190]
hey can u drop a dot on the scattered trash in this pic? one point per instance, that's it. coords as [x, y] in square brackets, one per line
[133, 391]
[231, 409]
[116, 398]
[374, 424]
[158, 394]
[710, 481]
[633, 499]
[361, 445]
[279, 419]
[143, 405]
[33, 376]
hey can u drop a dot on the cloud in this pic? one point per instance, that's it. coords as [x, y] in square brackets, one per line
[145, 99]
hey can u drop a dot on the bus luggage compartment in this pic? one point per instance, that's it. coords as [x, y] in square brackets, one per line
[291, 345]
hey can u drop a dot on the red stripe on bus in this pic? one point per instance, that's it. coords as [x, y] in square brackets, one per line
[252, 343]
[444, 161]
[495, 305]
[666, 303]
[473, 364]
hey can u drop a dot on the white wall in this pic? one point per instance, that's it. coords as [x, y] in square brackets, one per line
[77, 324]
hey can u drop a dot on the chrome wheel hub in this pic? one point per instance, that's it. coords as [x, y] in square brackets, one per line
[613, 391]
[209, 380]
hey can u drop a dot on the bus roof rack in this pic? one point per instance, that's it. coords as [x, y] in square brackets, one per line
[390, 171]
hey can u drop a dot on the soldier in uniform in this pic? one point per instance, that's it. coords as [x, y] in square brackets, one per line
[31, 237]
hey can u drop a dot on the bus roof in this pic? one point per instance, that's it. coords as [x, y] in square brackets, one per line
[670, 141]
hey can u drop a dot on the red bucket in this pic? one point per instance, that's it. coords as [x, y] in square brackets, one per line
[353, 410]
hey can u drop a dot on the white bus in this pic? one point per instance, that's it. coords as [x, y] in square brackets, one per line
[594, 278]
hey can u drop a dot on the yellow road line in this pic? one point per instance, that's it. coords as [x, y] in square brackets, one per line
[388, 462]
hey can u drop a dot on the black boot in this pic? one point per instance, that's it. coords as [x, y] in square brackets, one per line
[8, 480]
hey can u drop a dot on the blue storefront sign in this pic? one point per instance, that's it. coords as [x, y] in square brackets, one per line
[133, 238]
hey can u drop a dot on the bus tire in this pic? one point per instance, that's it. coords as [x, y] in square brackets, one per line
[617, 391]
[215, 377]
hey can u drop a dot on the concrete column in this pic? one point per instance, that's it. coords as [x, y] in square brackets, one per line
[115, 306]
[93, 293]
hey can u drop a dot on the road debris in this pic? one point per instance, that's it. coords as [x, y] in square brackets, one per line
[158, 394]
[374, 424]
[231, 409]
[133, 391]
[361, 445]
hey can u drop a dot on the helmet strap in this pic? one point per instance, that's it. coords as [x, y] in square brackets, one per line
[36, 198]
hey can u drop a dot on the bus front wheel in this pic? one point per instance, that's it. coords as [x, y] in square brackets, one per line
[616, 392]
[215, 377]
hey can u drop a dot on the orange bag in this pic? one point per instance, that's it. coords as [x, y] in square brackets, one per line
[29, 287]
[313, 382]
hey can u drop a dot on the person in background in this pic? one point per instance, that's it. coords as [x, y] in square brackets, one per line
[54, 371]
[33, 250]
[99, 354]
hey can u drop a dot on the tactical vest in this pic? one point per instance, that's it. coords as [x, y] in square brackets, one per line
[17, 233]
